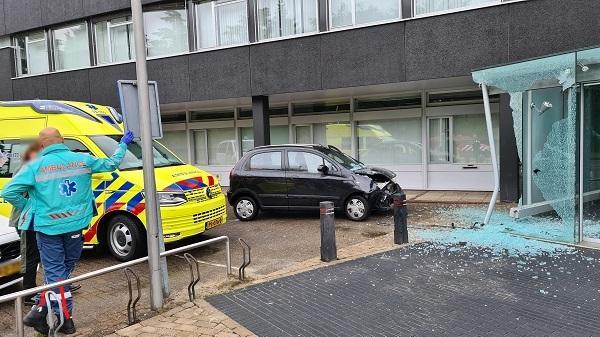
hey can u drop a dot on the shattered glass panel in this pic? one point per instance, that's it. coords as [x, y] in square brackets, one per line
[553, 159]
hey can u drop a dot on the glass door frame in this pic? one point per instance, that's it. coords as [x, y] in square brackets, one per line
[581, 171]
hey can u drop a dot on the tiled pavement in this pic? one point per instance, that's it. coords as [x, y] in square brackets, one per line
[460, 197]
[427, 290]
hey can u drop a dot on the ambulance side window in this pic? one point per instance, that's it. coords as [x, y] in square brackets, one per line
[77, 146]
[11, 152]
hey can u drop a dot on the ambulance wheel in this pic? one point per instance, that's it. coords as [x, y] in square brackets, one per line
[124, 238]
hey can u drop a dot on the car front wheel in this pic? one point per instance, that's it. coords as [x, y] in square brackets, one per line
[245, 209]
[124, 238]
[356, 208]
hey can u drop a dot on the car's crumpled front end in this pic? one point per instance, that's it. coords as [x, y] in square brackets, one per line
[382, 188]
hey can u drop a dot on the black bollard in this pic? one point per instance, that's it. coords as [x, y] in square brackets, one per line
[400, 218]
[328, 246]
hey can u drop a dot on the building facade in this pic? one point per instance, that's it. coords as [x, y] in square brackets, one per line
[387, 81]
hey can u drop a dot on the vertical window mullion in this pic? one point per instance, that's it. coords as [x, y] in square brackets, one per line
[353, 12]
[109, 39]
[49, 34]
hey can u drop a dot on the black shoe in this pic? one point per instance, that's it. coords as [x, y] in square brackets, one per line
[36, 319]
[75, 287]
[68, 327]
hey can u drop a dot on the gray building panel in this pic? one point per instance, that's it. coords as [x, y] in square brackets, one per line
[6, 73]
[173, 78]
[95, 7]
[539, 28]
[103, 83]
[219, 74]
[2, 20]
[286, 66]
[34, 87]
[364, 56]
[70, 85]
[455, 44]
[57, 11]
[20, 15]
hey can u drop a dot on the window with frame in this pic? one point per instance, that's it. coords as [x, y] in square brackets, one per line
[11, 157]
[114, 40]
[215, 147]
[221, 23]
[344, 13]
[176, 141]
[390, 142]
[270, 161]
[31, 51]
[166, 30]
[279, 18]
[302, 161]
[422, 7]
[71, 47]
[460, 139]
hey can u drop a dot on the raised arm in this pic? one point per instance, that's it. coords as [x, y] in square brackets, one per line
[110, 164]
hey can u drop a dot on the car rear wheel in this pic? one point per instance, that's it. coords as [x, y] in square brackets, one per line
[124, 238]
[356, 208]
[245, 209]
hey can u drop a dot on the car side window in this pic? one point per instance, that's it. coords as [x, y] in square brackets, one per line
[304, 161]
[266, 161]
[11, 154]
[77, 146]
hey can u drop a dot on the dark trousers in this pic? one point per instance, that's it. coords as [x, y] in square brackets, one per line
[59, 255]
[30, 258]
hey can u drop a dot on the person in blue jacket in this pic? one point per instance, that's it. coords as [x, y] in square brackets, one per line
[60, 205]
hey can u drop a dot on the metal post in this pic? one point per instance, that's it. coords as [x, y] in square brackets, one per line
[228, 257]
[152, 214]
[328, 246]
[400, 218]
[19, 317]
[490, 131]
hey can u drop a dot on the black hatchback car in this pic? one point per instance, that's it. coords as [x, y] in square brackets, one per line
[299, 177]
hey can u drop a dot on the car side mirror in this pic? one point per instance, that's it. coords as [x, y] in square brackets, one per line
[323, 169]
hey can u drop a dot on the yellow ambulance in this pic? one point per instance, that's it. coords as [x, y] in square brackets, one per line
[191, 200]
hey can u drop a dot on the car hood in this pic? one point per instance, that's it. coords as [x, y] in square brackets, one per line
[378, 174]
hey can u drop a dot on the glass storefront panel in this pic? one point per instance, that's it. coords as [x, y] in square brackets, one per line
[336, 134]
[279, 18]
[470, 139]
[390, 142]
[176, 141]
[430, 6]
[303, 134]
[341, 13]
[247, 139]
[222, 147]
[439, 140]
[200, 148]
[280, 135]
[71, 47]
[166, 32]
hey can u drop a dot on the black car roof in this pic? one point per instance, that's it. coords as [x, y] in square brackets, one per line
[297, 146]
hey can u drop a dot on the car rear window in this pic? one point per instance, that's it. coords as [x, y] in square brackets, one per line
[266, 161]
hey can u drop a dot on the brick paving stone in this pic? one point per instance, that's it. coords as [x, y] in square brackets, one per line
[427, 290]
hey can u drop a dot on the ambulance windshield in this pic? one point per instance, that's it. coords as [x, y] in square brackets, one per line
[133, 157]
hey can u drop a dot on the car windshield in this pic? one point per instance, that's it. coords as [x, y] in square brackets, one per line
[133, 157]
[343, 159]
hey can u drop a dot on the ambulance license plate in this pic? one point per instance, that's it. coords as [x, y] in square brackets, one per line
[214, 223]
[10, 268]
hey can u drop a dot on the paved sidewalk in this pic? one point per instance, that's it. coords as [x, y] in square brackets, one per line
[448, 197]
[198, 319]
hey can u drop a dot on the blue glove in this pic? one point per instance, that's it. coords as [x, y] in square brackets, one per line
[127, 138]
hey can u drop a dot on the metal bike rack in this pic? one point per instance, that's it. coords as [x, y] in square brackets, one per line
[242, 270]
[191, 260]
[17, 297]
[131, 303]
[50, 318]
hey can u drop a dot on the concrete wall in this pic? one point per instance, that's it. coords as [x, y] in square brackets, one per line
[435, 47]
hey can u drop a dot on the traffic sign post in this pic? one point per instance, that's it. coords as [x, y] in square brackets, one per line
[153, 220]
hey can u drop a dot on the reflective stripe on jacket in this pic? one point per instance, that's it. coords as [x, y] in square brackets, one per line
[59, 185]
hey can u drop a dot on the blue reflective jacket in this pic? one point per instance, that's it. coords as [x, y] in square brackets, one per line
[59, 186]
